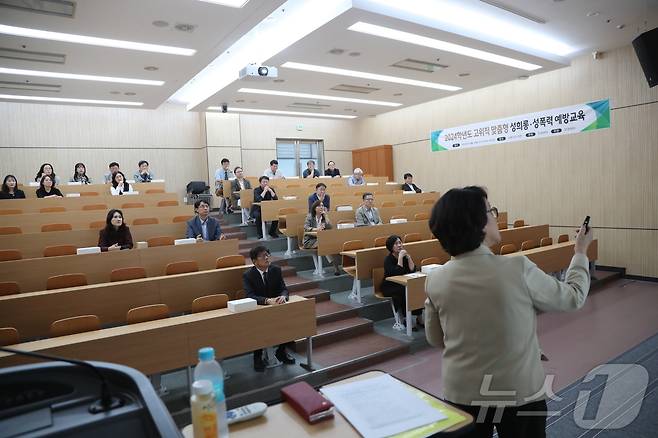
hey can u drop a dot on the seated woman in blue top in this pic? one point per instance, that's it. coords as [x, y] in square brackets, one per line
[116, 234]
[47, 188]
[47, 169]
[319, 195]
[10, 189]
[80, 174]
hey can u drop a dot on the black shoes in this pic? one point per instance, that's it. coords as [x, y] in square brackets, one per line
[274, 235]
[284, 357]
[259, 365]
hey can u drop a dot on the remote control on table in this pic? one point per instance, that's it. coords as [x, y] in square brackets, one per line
[247, 412]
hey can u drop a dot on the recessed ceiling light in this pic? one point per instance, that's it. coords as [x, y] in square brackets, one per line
[239, 101]
[115, 92]
[621, 26]
[93, 41]
[336, 51]
[355, 53]
[284, 113]
[463, 75]
[229, 3]
[52, 74]
[317, 96]
[365, 75]
[160, 23]
[593, 14]
[184, 27]
[68, 100]
[419, 40]
[397, 94]
[151, 68]
[129, 93]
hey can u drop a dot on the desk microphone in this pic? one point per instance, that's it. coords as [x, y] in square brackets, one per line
[106, 403]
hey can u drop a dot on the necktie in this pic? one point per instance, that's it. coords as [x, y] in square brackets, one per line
[265, 278]
[225, 174]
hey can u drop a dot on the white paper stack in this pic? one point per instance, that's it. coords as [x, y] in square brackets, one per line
[184, 241]
[73, 195]
[429, 268]
[344, 226]
[89, 250]
[242, 305]
[398, 221]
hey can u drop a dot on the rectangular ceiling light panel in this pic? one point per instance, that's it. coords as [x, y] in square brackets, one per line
[52, 74]
[26, 55]
[317, 97]
[69, 100]
[60, 8]
[282, 113]
[229, 3]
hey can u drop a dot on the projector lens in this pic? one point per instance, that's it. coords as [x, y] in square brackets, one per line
[262, 71]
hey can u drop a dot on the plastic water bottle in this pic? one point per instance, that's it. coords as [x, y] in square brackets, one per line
[209, 369]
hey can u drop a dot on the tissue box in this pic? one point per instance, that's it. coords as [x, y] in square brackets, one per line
[242, 305]
[343, 226]
[72, 195]
[142, 245]
[429, 268]
[89, 250]
[184, 241]
[398, 221]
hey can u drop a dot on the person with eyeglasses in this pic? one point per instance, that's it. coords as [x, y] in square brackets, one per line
[367, 214]
[481, 310]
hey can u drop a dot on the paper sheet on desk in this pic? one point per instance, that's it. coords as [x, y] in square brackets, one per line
[414, 275]
[381, 406]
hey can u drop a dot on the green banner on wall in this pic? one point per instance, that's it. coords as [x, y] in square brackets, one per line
[549, 123]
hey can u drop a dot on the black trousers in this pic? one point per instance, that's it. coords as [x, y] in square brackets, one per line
[258, 354]
[274, 225]
[398, 299]
[509, 425]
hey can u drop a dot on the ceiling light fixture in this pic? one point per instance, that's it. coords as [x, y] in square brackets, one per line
[68, 100]
[282, 113]
[466, 19]
[419, 40]
[93, 41]
[365, 75]
[51, 74]
[317, 96]
[285, 26]
[229, 3]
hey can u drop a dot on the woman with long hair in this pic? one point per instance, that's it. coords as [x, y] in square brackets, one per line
[119, 184]
[317, 221]
[10, 189]
[47, 169]
[116, 234]
[80, 174]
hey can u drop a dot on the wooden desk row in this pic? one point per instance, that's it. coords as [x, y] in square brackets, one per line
[32, 245]
[101, 189]
[80, 220]
[32, 274]
[172, 343]
[77, 204]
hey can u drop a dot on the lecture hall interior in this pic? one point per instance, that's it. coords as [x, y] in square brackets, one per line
[291, 184]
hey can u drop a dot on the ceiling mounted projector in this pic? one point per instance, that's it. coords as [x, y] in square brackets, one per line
[258, 71]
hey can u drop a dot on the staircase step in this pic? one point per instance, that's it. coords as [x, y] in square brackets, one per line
[248, 244]
[335, 331]
[318, 294]
[240, 235]
[296, 283]
[328, 311]
[602, 277]
[288, 271]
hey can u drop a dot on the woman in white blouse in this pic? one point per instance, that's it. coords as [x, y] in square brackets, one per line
[119, 184]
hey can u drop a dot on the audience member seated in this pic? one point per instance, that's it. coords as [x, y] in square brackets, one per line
[47, 169]
[319, 195]
[366, 214]
[80, 174]
[116, 234]
[409, 185]
[119, 184]
[10, 189]
[398, 262]
[357, 178]
[317, 220]
[264, 283]
[144, 174]
[202, 226]
[47, 188]
[223, 174]
[481, 310]
[114, 168]
[273, 172]
[332, 171]
[239, 183]
[263, 193]
[311, 171]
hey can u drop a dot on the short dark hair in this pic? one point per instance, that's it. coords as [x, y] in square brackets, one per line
[274, 162]
[363, 197]
[459, 218]
[225, 160]
[391, 241]
[309, 162]
[236, 169]
[331, 161]
[318, 185]
[256, 251]
[263, 177]
[198, 203]
[142, 162]
[407, 175]
[113, 163]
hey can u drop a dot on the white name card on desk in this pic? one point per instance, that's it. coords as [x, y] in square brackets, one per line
[289, 198]
[372, 184]
[72, 195]
[414, 275]
[292, 177]
[184, 241]
[429, 268]
[74, 183]
[344, 226]
[142, 245]
[324, 176]
[157, 180]
[131, 193]
[33, 184]
[399, 221]
[393, 183]
[89, 250]
[344, 208]
[406, 192]
[242, 305]
[130, 181]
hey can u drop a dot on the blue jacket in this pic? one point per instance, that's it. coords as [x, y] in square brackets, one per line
[326, 201]
[194, 228]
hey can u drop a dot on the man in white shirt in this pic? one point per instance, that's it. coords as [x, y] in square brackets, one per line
[222, 176]
[357, 178]
[273, 172]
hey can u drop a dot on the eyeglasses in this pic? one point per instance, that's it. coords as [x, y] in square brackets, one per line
[494, 212]
[263, 256]
[369, 199]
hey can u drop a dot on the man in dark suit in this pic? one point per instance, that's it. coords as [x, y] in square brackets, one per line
[202, 226]
[409, 185]
[239, 183]
[264, 193]
[264, 283]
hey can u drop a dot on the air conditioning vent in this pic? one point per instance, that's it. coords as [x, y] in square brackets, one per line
[26, 55]
[424, 66]
[29, 86]
[60, 8]
[354, 89]
[515, 11]
[305, 105]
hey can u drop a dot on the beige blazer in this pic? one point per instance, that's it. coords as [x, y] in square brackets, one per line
[481, 310]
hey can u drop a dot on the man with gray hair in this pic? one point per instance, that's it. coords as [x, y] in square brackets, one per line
[357, 178]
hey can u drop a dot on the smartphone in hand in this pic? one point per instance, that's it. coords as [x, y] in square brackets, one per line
[586, 224]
